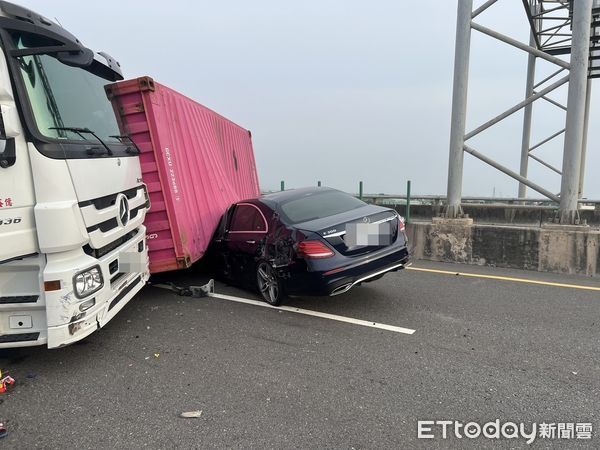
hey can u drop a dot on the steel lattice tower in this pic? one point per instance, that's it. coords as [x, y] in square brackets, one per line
[565, 33]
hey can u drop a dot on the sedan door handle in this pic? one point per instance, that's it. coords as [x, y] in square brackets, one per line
[250, 242]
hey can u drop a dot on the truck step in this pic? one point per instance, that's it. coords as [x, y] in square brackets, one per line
[19, 299]
[21, 337]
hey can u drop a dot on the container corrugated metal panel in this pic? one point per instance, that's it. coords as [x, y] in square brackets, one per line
[195, 162]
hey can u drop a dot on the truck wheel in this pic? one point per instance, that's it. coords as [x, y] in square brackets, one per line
[269, 284]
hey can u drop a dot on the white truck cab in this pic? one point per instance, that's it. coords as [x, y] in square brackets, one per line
[72, 200]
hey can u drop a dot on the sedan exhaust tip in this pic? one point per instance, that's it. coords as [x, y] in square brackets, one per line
[346, 287]
[341, 289]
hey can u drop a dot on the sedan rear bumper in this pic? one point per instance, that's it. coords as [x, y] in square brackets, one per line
[346, 287]
[341, 280]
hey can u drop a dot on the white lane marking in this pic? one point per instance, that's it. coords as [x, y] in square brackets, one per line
[308, 312]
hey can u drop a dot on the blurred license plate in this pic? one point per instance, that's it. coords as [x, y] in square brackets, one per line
[368, 234]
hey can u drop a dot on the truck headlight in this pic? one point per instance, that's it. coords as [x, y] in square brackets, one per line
[87, 282]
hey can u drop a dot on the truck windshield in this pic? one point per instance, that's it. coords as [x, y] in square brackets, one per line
[62, 97]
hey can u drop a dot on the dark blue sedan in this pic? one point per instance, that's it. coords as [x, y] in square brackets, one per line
[310, 241]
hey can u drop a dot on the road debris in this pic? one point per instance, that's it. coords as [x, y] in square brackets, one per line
[6, 383]
[191, 414]
[3, 431]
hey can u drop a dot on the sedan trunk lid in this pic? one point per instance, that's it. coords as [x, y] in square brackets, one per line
[357, 231]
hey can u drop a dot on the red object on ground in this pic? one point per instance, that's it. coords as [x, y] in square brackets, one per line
[5, 383]
[195, 162]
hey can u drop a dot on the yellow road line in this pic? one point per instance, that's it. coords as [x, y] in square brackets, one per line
[496, 277]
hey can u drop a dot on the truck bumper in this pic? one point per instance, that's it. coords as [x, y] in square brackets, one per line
[58, 318]
[124, 272]
[77, 329]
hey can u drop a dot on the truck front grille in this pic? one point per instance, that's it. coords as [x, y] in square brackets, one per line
[107, 217]
[100, 252]
[109, 200]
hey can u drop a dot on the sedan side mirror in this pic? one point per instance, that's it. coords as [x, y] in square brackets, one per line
[9, 130]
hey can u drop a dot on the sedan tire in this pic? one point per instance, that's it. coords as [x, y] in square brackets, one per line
[268, 283]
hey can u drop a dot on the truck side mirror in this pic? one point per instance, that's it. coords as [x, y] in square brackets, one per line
[9, 130]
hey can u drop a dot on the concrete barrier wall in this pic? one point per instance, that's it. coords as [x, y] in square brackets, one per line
[546, 248]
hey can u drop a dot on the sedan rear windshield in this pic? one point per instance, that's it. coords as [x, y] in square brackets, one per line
[317, 205]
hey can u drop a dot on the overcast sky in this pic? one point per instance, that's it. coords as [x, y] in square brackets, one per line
[337, 90]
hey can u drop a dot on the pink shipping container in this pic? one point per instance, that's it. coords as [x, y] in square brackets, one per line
[195, 162]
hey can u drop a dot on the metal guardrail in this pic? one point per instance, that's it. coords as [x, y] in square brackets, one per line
[441, 200]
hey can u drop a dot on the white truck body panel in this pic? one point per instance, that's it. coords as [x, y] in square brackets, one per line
[60, 216]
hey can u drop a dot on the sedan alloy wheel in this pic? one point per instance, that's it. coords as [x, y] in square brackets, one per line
[269, 284]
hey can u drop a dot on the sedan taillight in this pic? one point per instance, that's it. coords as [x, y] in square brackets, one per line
[401, 223]
[314, 250]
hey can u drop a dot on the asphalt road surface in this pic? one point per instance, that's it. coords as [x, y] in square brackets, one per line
[483, 349]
